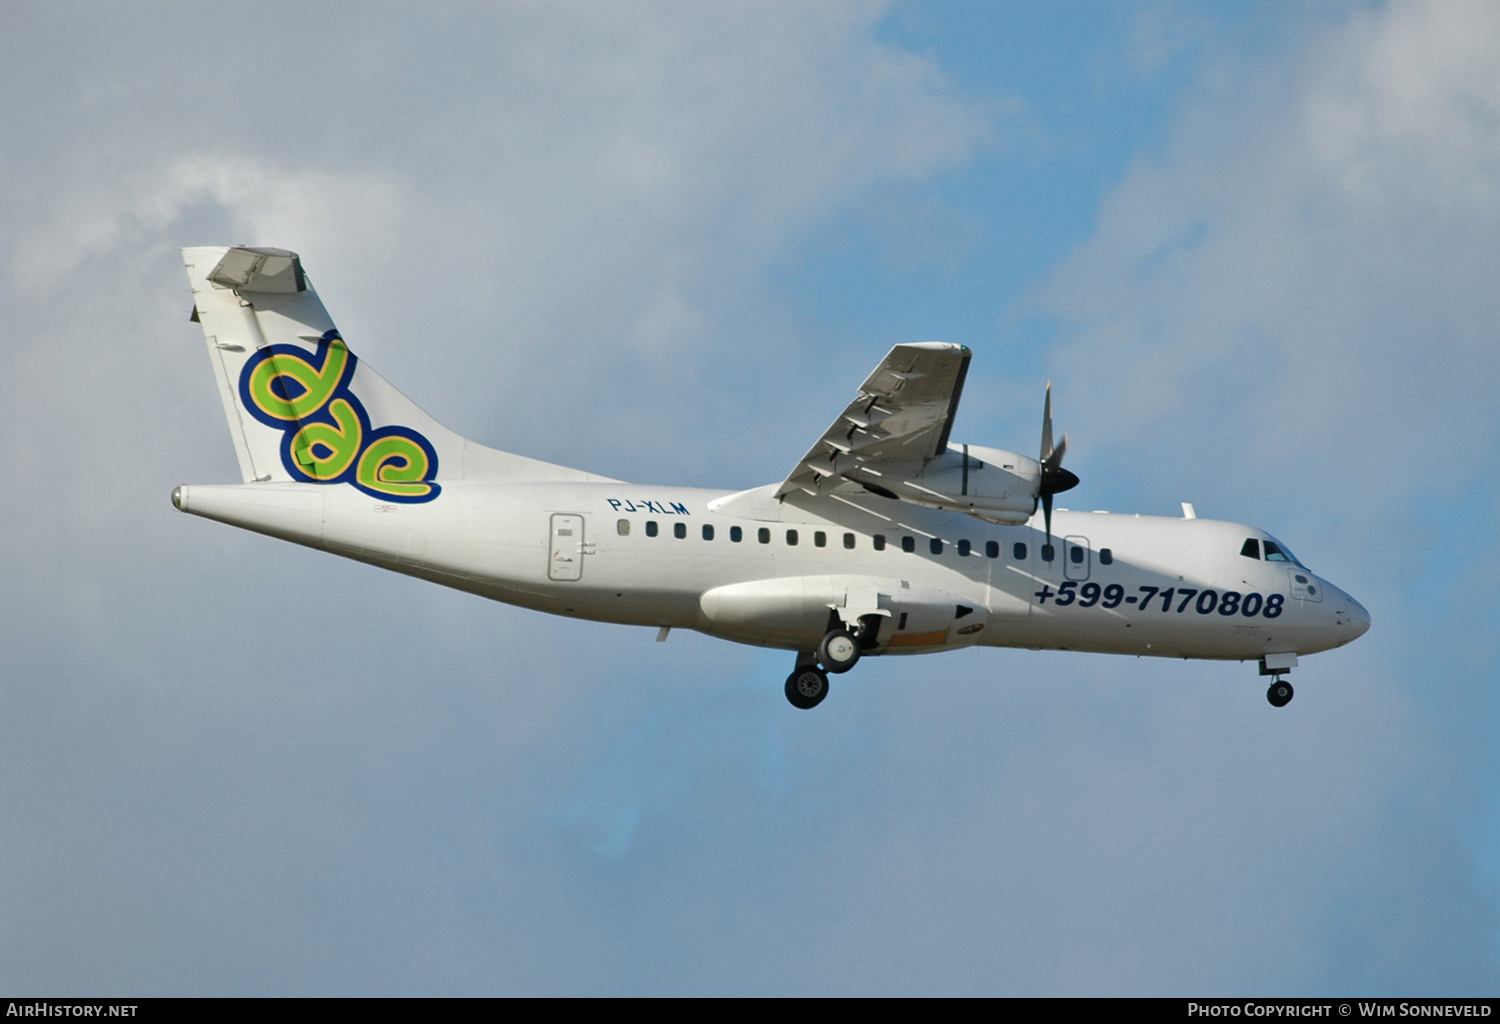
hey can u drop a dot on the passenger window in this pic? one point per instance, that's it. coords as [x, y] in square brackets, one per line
[992, 549]
[963, 549]
[1048, 553]
[1251, 549]
[736, 534]
[791, 538]
[1106, 556]
[651, 527]
[623, 527]
[679, 530]
[908, 544]
[764, 535]
[1018, 551]
[935, 546]
[1274, 553]
[708, 531]
[849, 541]
[820, 539]
[879, 541]
[1076, 555]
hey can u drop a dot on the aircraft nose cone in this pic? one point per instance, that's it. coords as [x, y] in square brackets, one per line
[1360, 619]
[1353, 620]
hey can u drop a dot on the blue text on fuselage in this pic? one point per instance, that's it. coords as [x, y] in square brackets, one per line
[661, 508]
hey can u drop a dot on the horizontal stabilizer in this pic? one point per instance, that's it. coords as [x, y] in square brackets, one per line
[247, 269]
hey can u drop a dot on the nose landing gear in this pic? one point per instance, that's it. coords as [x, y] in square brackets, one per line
[1276, 666]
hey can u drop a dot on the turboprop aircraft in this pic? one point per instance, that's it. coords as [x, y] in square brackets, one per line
[885, 538]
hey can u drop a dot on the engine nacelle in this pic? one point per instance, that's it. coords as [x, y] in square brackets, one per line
[991, 484]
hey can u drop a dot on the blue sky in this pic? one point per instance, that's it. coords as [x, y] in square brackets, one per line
[1253, 248]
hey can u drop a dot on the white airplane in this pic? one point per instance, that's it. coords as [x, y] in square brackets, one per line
[884, 539]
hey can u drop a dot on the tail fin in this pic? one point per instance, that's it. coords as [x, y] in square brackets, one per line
[303, 408]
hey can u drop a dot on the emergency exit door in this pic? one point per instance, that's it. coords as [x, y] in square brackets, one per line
[1078, 558]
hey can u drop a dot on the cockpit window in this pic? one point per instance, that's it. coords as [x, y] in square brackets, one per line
[1279, 552]
[1251, 549]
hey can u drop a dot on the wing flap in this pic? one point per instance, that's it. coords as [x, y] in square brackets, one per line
[903, 414]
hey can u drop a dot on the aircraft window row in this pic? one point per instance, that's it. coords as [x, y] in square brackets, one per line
[1019, 551]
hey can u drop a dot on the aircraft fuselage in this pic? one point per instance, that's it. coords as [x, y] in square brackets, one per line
[749, 568]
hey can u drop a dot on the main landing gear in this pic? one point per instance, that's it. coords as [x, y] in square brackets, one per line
[837, 652]
[806, 686]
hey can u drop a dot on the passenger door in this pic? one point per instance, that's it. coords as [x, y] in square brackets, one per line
[565, 553]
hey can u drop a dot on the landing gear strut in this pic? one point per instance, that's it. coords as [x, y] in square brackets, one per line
[1280, 693]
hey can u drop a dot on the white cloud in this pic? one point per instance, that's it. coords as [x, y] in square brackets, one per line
[94, 218]
[1294, 300]
[1410, 107]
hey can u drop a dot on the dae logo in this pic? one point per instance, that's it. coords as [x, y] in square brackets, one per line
[326, 433]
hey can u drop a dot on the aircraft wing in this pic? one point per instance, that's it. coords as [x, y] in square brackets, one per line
[903, 414]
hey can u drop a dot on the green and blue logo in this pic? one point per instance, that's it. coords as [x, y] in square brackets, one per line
[326, 433]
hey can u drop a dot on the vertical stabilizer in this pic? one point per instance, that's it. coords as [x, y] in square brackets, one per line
[303, 408]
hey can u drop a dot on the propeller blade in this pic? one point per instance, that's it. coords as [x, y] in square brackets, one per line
[1052, 464]
[1054, 479]
[1047, 425]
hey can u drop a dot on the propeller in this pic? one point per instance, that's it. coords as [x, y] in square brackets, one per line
[1055, 479]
